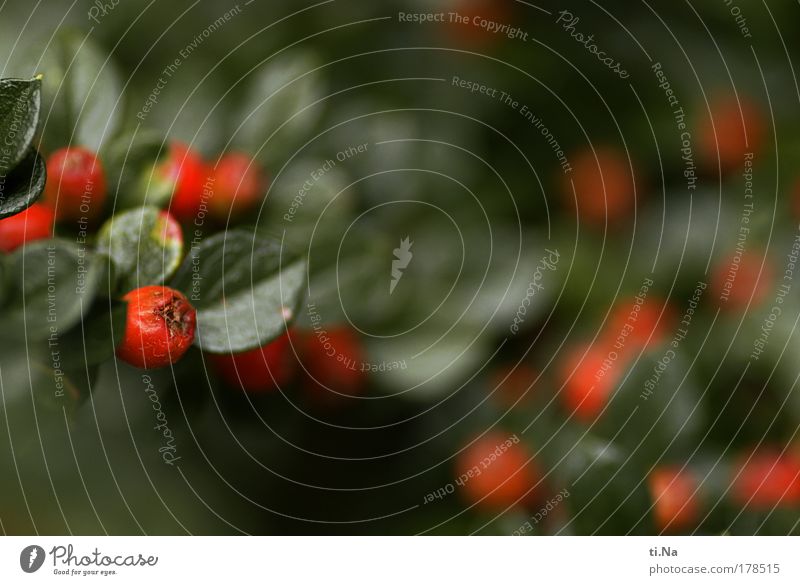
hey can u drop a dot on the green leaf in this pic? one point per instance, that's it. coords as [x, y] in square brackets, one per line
[20, 102]
[245, 290]
[23, 186]
[81, 89]
[309, 197]
[53, 284]
[95, 341]
[276, 98]
[126, 159]
[137, 243]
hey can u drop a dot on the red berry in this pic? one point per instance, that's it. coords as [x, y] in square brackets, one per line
[604, 186]
[768, 478]
[675, 505]
[35, 223]
[495, 472]
[738, 128]
[639, 325]
[159, 329]
[76, 184]
[590, 379]
[742, 280]
[334, 361]
[238, 186]
[188, 178]
[259, 370]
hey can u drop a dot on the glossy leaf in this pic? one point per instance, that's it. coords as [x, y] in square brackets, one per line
[23, 186]
[20, 103]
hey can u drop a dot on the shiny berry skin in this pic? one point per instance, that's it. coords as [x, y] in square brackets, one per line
[259, 370]
[239, 185]
[738, 128]
[641, 325]
[590, 380]
[160, 327]
[333, 359]
[767, 478]
[494, 472]
[604, 186]
[76, 184]
[35, 223]
[187, 175]
[739, 282]
[675, 502]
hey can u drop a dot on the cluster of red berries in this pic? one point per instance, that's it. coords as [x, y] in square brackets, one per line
[591, 372]
[762, 480]
[230, 189]
[606, 187]
[328, 370]
[161, 321]
[77, 191]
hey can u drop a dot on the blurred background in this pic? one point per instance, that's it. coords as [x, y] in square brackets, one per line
[591, 325]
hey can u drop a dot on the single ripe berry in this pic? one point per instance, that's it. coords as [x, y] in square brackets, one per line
[590, 379]
[496, 471]
[639, 324]
[35, 223]
[742, 280]
[675, 505]
[738, 129]
[333, 359]
[159, 329]
[604, 186]
[187, 177]
[76, 184]
[238, 186]
[768, 478]
[260, 370]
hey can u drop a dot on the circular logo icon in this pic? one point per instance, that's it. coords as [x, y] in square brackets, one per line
[31, 558]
